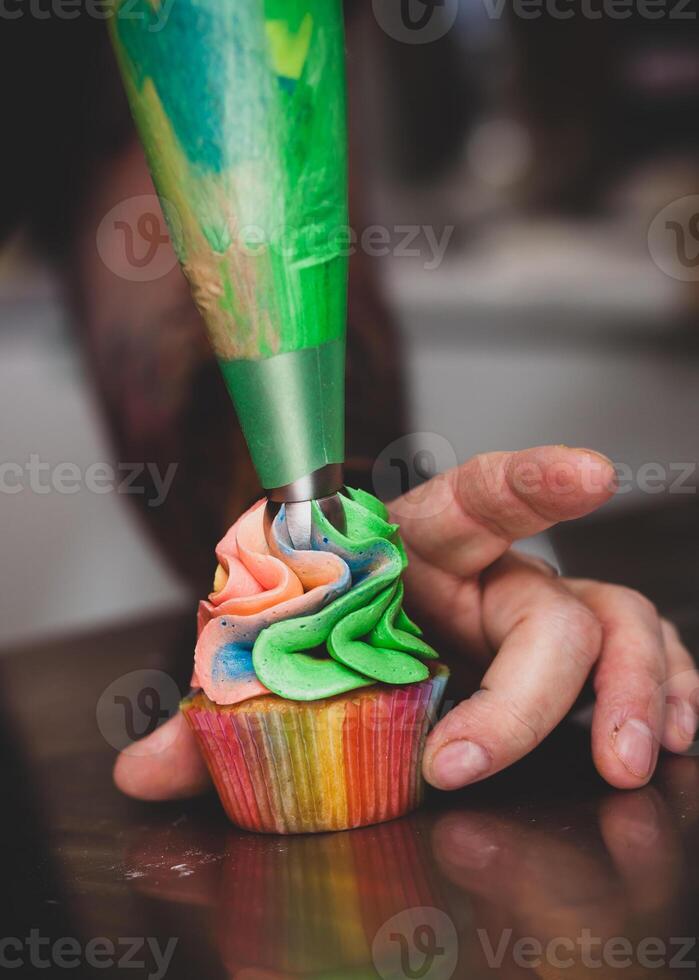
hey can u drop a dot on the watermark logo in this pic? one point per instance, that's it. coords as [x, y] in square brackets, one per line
[425, 242]
[37, 475]
[156, 14]
[133, 239]
[590, 9]
[424, 21]
[415, 21]
[416, 474]
[133, 706]
[144, 953]
[673, 239]
[587, 950]
[417, 944]
[402, 471]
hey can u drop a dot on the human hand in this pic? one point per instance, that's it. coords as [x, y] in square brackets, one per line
[534, 637]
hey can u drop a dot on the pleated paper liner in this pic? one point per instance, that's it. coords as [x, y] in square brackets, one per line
[294, 767]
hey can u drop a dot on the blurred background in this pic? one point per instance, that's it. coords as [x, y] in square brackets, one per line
[525, 202]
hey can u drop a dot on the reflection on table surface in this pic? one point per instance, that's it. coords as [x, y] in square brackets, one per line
[464, 891]
[541, 871]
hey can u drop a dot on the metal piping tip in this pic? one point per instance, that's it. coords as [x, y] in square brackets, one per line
[320, 485]
[299, 518]
[298, 524]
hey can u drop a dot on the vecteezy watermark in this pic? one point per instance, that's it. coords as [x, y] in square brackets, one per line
[144, 953]
[134, 706]
[419, 942]
[139, 703]
[377, 241]
[653, 477]
[36, 475]
[527, 476]
[415, 21]
[400, 241]
[135, 240]
[588, 950]
[425, 21]
[156, 14]
[673, 239]
[417, 474]
[591, 9]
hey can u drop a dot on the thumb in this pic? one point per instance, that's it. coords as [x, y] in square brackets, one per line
[166, 765]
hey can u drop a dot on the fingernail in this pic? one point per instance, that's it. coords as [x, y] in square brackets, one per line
[686, 721]
[633, 744]
[459, 763]
[611, 482]
[593, 452]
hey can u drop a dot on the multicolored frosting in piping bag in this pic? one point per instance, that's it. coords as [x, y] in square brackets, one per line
[311, 624]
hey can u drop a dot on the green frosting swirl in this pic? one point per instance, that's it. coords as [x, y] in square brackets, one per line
[365, 631]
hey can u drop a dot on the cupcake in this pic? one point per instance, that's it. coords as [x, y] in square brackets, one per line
[317, 690]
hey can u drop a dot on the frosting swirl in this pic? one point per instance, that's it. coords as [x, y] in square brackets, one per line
[308, 624]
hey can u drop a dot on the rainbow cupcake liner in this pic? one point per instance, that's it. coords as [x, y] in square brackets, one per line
[294, 767]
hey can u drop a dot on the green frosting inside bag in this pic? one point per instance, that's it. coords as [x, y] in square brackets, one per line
[241, 108]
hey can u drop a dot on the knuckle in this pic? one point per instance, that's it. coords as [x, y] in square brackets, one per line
[624, 680]
[639, 603]
[459, 722]
[526, 728]
[580, 629]
[655, 673]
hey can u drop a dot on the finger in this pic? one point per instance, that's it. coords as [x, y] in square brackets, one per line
[628, 715]
[450, 607]
[166, 765]
[469, 516]
[638, 831]
[548, 642]
[681, 692]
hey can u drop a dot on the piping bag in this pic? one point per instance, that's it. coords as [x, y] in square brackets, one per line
[241, 108]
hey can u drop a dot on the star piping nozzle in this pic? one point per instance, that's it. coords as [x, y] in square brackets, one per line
[322, 487]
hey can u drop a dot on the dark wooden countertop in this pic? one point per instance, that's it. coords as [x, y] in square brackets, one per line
[542, 854]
